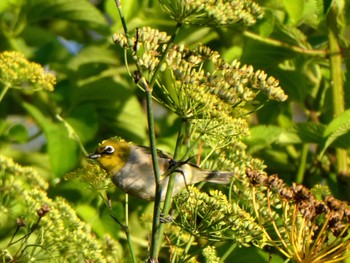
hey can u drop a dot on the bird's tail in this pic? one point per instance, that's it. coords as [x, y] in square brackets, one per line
[218, 177]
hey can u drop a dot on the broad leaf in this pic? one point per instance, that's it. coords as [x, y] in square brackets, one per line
[309, 132]
[118, 110]
[93, 54]
[62, 150]
[294, 9]
[79, 11]
[263, 136]
[84, 121]
[335, 129]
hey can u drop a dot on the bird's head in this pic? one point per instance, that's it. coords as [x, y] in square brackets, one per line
[112, 154]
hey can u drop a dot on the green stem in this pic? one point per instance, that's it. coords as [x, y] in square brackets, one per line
[155, 242]
[157, 228]
[126, 32]
[171, 182]
[127, 232]
[124, 227]
[337, 81]
[4, 91]
[187, 248]
[148, 88]
[228, 252]
[278, 43]
[302, 165]
[162, 59]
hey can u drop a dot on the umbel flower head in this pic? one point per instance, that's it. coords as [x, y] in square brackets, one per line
[212, 12]
[51, 230]
[17, 72]
[202, 84]
[211, 216]
[304, 225]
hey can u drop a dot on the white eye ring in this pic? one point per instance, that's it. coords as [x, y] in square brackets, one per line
[108, 150]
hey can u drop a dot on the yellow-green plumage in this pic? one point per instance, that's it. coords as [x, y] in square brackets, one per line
[132, 170]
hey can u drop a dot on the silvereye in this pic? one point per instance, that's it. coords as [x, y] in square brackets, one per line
[132, 170]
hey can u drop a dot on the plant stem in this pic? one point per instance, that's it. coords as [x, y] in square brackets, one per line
[127, 232]
[228, 252]
[156, 211]
[157, 228]
[124, 227]
[162, 59]
[278, 43]
[3, 92]
[337, 84]
[170, 186]
[148, 88]
[302, 165]
[187, 248]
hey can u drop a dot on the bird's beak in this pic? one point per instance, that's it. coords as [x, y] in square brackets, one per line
[94, 156]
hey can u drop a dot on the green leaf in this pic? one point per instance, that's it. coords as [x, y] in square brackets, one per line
[62, 150]
[335, 129]
[84, 121]
[313, 12]
[294, 9]
[118, 110]
[263, 136]
[79, 11]
[93, 54]
[257, 53]
[266, 25]
[309, 132]
[294, 83]
[89, 214]
[18, 133]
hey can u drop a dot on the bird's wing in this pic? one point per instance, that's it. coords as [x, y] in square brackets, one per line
[160, 153]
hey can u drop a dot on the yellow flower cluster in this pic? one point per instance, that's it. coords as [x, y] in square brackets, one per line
[17, 72]
[51, 229]
[92, 174]
[302, 226]
[226, 91]
[212, 12]
[219, 219]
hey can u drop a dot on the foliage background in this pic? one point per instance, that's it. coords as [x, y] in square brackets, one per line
[96, 96]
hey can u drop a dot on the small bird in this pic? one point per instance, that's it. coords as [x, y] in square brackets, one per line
[132, 169]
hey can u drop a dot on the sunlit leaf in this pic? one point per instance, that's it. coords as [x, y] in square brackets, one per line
[80, 11]
[63, 151]
[335, 129]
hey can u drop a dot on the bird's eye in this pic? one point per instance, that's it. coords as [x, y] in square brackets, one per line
[108, 150]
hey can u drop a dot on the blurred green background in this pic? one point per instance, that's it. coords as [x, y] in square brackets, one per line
[96, 96]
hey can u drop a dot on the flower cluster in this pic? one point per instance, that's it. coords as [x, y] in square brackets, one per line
[305, 228]
[17, 72]
[92, 175]
[213, 217]
[46, 228]
[210, 255]
[211, 12]
[225, 91]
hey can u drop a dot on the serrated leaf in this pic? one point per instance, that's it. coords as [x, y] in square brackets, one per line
[118, 109]
[313, 12]
[93, 54]
[266, 25]
[257, 53]
[294, 9]
[83, 120]
[294, 83]
[79, 11]
[335, 129]
[62, 150]
[309, 132]
[262, 136]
